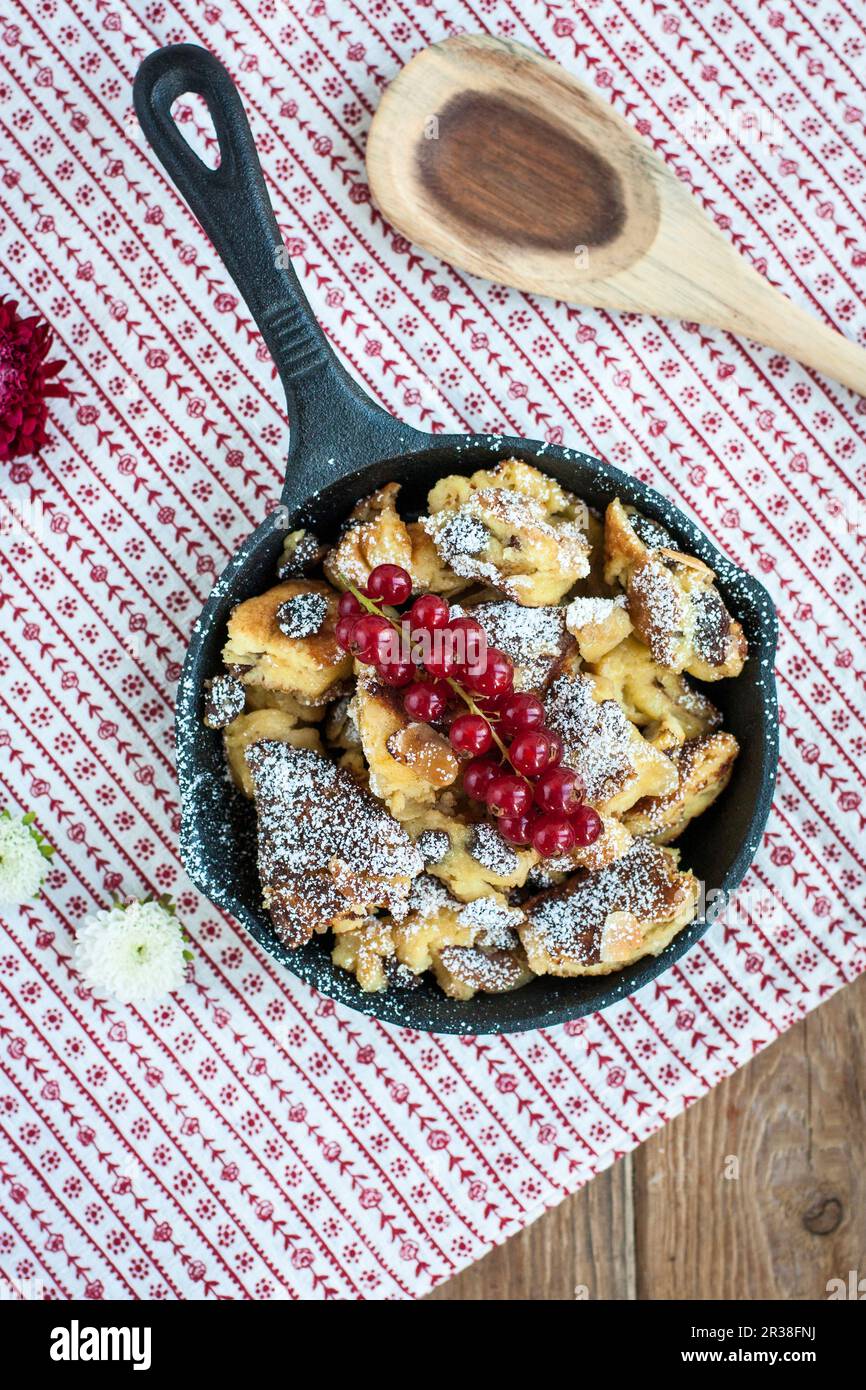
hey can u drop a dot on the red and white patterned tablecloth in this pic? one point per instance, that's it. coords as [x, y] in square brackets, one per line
[248, 1139]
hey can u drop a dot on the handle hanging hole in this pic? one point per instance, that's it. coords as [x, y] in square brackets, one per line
[191, 114]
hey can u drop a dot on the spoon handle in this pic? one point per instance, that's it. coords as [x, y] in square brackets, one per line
[692, 272]
[761, 312]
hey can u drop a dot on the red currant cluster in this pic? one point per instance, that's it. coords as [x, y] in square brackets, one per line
[537, 801]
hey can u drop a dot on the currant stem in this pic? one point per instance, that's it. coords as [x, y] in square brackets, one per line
[370, 604]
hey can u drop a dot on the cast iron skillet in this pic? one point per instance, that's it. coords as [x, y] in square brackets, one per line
[343, 446]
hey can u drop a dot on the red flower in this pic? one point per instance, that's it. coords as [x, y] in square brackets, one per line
[25, 381]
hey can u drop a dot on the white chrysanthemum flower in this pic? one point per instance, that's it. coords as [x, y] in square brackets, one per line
[24, 857]
[135, 951]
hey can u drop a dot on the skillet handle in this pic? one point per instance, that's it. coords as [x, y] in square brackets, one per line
[329, 414]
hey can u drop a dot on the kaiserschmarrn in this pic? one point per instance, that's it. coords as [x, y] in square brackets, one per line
[365, 829]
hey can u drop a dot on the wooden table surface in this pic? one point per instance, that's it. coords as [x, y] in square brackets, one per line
[757, 1191]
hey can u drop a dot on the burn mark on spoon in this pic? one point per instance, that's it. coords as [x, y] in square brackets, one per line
[502, 169]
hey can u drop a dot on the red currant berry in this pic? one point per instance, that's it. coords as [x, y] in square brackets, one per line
[343, 632]
[425, 700]
[396, 673]
[553, 835]
[497, 676]
[440, 663]
[470, 733]
[477, 777]
[389, 584]
[556, 749]
[587, 825]
[469, 645]
[516, 830]
[428, 613]
[530, 752]
[559, 789]
[509, 796]
[367, 635]
[520, 711]
[349, 606]
[491, 704]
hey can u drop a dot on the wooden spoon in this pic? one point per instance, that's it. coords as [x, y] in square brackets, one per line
[499, 162]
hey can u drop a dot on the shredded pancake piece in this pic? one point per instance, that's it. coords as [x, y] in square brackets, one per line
[595, 733]
[534, 639]
[328, 851]
[601, 921]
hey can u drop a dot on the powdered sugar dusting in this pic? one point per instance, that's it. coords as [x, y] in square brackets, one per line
[488, 849]
[433, 845]
[495, 922]
[460, 535]
[595, 733]
[460, 538]
[534, 639]
[325, 846]
[569, 920]
[225, 699]
[493, 973]
[657, 610]
[428, 897]
[302, 615]
[306, 553]
[712, 626]
[652, 533]
[583, 611]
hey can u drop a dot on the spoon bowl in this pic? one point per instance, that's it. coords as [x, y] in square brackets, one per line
[501, 163]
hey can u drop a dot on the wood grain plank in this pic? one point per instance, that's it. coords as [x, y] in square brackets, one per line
[667, 1222]
[794, 1124]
